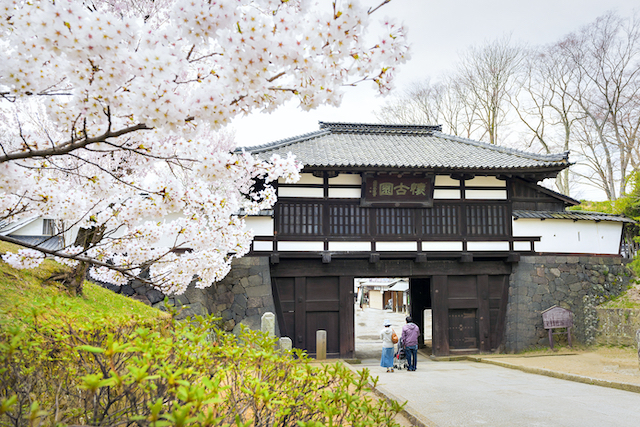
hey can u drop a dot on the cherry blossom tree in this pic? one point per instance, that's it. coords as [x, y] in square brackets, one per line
[111, 113]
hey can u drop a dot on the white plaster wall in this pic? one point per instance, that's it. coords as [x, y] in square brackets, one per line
[261, 225]
[34, 228]
[522, 246]
[305, 178]
[485, 194]
[300, 192]
[346, 179]
[345, 193]
[446, 180]
[568, 236]
[350, 246]
[262, 246]
[446, 194]
[301, 246]
[487, 246]
[442, 246]
[485, 181]
[397, 246]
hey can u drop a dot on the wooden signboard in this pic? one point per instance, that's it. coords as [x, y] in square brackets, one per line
[557, 317]
[388, 190]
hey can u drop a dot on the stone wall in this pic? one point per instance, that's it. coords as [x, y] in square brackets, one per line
[617, 326]
[241, 298]
[577, 283]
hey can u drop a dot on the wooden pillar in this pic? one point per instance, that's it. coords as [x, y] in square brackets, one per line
[347, 327]
[484, 324]
[300, 312]
[440, 316]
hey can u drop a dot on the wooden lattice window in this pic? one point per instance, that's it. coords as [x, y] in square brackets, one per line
[394, 221]
[487, 220]
[441, 220]
[300, 218]
[348, 220]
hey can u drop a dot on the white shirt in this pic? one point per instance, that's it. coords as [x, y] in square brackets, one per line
[385, 334]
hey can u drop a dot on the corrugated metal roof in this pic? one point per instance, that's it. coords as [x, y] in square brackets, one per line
[410, 146]
[572, 215]
[45, 242]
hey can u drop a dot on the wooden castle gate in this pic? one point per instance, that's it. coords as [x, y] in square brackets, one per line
[400, 201]
[468, 301]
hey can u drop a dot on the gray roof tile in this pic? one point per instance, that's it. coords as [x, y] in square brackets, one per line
[402, 146]
[573, 215]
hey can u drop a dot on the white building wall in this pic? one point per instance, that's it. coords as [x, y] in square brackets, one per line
[261, 225]
[375, 300]
[568, 236]
[34, 228]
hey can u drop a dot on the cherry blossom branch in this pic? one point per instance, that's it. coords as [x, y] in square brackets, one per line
[124, 270]
[371, 10]
[72, 145]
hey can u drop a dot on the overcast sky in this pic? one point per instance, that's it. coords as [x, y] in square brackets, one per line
[438, 31]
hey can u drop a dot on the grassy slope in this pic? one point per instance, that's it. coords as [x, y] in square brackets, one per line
[22, 291]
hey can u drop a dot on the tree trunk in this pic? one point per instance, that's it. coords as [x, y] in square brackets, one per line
[87, 237]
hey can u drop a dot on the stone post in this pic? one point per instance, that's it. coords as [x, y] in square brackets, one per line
[268, 323]
[321, 344]
[285, 344]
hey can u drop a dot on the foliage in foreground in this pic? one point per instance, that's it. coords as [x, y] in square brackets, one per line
[177, 373]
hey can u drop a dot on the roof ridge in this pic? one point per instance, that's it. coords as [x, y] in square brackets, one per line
[380, 127]
[557, 156]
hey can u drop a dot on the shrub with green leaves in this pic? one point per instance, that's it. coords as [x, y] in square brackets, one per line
[173, 373]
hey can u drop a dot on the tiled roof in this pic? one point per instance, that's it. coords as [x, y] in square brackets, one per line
[408, 146]
[573, 215]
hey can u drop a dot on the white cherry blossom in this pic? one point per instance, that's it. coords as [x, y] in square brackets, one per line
[112, 116]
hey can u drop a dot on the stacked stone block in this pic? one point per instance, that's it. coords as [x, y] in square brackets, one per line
[577, 283]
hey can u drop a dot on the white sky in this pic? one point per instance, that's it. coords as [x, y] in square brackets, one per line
[438, 31]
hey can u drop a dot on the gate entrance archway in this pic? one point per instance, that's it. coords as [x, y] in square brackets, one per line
[468, 301]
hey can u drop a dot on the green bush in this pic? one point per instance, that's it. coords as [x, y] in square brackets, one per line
[172, 373]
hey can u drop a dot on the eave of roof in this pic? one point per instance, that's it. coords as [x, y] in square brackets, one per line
[572, 215]
[566, 199]
[359, 145]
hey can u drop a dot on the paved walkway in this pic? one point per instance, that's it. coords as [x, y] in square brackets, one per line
[466, 393]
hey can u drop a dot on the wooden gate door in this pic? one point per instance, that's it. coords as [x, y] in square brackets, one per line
[469, 312]
[308, 304]
[463, 329]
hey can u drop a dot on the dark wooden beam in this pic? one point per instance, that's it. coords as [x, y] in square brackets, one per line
[313, 267]
[274, 258]
[374, 258]
[466, 257]
[326, 258]
[513, 257]
[421, 258]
